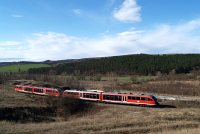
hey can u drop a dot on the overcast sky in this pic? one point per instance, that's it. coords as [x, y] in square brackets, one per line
[41, 30]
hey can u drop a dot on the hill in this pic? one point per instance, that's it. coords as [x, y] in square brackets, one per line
[142, 64]
[21, 67]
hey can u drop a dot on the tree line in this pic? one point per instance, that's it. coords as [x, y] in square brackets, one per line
[141, 64]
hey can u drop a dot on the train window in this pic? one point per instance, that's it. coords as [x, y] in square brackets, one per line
[104, 97]
[111, 97]
[50, 91]
[97, 96]
[117, 98]
[94, 96]
[19, 87]
[90, 95]
[137, 98]
[149, 99]
[133, 98]
[38, 90]
[142, 98]
[84, 95]
[87, 95]
[28, 89]
[107, 97]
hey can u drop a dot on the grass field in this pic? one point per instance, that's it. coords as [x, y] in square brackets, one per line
[174, 117]
[21, 67]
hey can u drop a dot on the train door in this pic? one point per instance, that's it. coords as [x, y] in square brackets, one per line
[124, 98]
[81, 95]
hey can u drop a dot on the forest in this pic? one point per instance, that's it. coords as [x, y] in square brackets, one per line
[138, 64]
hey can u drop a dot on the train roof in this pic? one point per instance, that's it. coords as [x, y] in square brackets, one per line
[122, 93]
[35, 86]
[71, 91]
[99, 91]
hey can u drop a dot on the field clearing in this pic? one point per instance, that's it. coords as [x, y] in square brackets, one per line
[124, 79]
[21, 67]
[173, 117]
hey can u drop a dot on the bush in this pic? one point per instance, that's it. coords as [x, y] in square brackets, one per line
[135, 80]
[67, 106]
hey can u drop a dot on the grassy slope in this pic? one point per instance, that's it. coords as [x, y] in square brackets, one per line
[22, 67]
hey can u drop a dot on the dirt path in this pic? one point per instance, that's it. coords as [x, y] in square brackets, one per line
[178, 97]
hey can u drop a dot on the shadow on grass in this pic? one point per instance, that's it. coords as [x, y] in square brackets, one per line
[27, 114]
[165, 106]
[55, 107]
[147, 106]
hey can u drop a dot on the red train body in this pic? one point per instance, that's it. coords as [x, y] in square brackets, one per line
[92, 95]
[37, 90]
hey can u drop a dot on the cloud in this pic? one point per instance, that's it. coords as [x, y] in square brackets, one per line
[17, 16]
[10, 59]
[129, 11]
[164, 38]
[77, 11]
[9, 43]
[181, 38]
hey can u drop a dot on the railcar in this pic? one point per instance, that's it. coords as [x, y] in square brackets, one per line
[71, 94]
[91, 95]
[19, 88]
[37, 90]
[24, 88]
[113, 97]
[52, 92]
[142, 100]
[46, 91]
[124, 98]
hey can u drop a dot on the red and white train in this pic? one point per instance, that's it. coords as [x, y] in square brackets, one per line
[92, 95]
[112, 97]
[37, 90]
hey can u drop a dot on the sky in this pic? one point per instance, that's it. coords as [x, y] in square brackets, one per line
[38, 30]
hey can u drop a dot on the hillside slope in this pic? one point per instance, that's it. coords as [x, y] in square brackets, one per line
[21, 67]
[128, 64]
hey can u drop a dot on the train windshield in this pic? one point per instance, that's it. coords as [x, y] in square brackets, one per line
[155, 99]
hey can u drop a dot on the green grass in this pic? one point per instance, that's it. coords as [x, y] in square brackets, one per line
[124, 79]
[21, 67]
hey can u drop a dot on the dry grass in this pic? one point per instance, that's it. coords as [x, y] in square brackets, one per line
[11, 98]
[114, 119]
[182, 131]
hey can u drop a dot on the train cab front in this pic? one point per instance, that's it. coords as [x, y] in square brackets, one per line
[56, 93]
[18, 88]
[155, 100]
